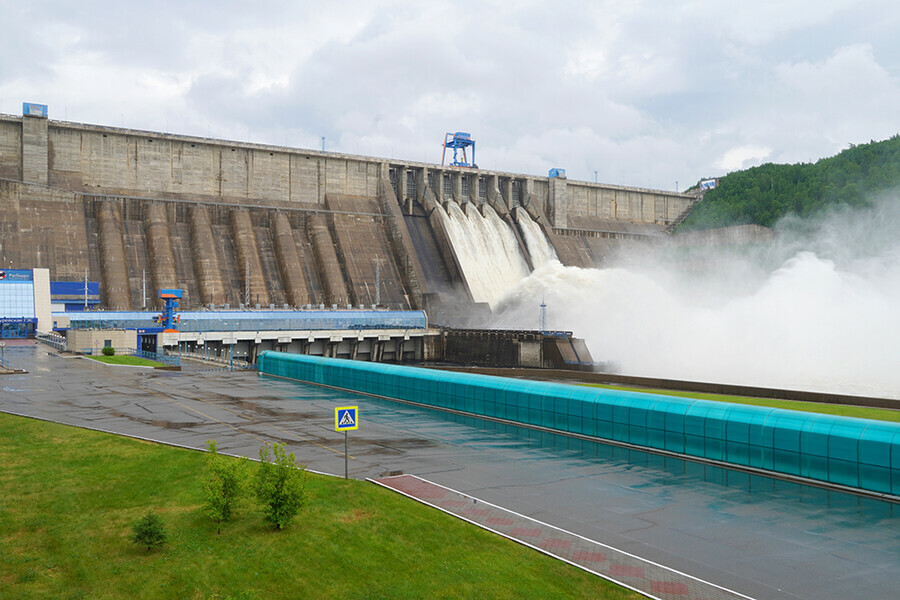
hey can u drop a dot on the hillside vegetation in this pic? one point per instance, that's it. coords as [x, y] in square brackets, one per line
[764, 194]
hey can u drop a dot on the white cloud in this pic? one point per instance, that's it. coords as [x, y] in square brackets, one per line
[645, 93]
[743, 157]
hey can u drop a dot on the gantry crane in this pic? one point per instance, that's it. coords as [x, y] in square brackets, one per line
[459, 141]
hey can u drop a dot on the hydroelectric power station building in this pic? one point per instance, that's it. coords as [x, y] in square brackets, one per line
[237, 223]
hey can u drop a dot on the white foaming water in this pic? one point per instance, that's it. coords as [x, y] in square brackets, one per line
[487, 250]
[539, 248]
[817, 310]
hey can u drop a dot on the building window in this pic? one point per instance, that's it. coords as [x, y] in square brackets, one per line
[17, 299]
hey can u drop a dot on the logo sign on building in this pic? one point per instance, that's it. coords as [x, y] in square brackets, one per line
[30, 109]
[346, 418]
[18, 319]
[15, 275]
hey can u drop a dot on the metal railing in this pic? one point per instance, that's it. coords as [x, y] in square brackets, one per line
[51, 339]
[172, 360]
[256, 320]
[229, 363]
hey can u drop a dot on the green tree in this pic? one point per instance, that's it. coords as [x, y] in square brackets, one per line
[149, 531]
[765, 194]
[224, 486]
[280, 485]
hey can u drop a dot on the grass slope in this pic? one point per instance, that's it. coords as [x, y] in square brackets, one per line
[136, 361]
[859, 412]
[68, 497]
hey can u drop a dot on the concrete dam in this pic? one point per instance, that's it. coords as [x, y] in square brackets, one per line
[243, 224]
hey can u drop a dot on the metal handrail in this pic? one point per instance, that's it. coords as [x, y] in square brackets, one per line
[166, 359]
[51, 339]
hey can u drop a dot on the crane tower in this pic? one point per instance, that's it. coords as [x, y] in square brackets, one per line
[459, 141]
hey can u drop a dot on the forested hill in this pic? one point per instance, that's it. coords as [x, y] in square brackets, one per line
[764, 194]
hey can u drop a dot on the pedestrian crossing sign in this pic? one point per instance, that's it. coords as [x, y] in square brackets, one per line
[346, 418]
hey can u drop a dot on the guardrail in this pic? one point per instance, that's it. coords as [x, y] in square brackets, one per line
[172, 360]
[51, 339]
[228, 363]
[167, 359]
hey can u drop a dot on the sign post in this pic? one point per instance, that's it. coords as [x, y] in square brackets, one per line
[345, 419]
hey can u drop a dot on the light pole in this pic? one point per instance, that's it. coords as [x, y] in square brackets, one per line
[231, 347]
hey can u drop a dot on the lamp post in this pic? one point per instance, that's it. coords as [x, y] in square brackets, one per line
[231, 346]
[205, 345]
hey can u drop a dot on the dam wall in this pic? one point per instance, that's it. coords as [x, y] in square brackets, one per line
[852, 453]
[219, 215]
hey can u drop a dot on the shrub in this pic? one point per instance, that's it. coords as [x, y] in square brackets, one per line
[280, 485]
[149, 531]
[109, 351]
[224, 486]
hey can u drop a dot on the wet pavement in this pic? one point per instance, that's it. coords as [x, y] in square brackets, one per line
[763, 538]
[604, 561]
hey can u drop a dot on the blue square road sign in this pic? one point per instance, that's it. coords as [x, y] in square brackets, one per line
[346, 418]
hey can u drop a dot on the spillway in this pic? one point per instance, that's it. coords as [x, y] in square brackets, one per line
[487, 250]
[539, 247]
[490, 256]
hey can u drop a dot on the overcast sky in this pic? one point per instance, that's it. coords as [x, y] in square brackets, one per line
[645, 93]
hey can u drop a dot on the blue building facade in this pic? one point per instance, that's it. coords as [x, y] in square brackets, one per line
[17, 304]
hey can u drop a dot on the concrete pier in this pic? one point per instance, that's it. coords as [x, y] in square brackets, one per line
[289, 262]
[326, 260]
[206, 259]
[248, 261]
[117, 289]
[162, 260]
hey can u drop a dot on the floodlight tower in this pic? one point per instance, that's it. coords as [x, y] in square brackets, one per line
[459, 141]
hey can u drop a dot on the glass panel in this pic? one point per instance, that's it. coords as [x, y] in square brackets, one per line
[854, 452]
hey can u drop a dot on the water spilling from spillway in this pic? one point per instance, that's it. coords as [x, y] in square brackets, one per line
[486, 249]
[815, 310]
[539, 247]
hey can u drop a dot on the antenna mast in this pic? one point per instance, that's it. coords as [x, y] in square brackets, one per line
[543, 315]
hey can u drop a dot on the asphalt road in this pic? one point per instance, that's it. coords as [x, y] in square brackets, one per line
[761, 537]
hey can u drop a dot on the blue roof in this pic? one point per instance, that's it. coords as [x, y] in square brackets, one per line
[243, 320]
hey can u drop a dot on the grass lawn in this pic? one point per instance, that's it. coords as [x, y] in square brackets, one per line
[135, 361]
[68, 498]
[861, 412]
